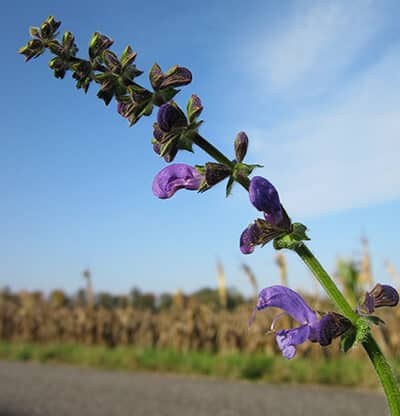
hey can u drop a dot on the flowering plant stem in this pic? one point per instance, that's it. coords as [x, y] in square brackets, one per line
[381, 365]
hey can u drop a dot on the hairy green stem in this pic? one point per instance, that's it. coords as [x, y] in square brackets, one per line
[385, 374]
[326, 282]
[211, 150]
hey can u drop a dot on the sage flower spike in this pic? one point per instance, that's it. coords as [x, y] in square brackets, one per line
[174, 177]
[310, 326]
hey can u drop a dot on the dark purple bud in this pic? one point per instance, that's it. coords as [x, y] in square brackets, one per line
[241, 144]
[264, 197]
[249, 238]
[175, 177]
[112, 61]
[156, 76]
[194, 107]
[176, 77]
[330, 326]
[158, 134]
[380, 295]
[169, 116]
[121, 108]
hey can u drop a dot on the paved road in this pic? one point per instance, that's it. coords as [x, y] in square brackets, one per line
[31, 389]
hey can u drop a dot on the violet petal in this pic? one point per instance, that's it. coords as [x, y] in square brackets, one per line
[288, 339]
[175, 177]
[288, 300]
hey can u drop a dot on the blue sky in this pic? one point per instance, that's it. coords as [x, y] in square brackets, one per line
[314, 84]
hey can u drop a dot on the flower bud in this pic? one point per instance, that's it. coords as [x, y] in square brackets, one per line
[128, 56]
[121, 108]
[34, 31]
[156, 76]
[112, 61]
[380, 295]
[32, 49]
[176, 77]
[241, 144]
[58, 66]
[194, 107]
[170, 116]
[98, 44]
[49, 27]
[264, 197]
[68, 41]
[249, 238]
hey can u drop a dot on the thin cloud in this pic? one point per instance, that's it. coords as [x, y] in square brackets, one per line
[344, 155]
[313, 46]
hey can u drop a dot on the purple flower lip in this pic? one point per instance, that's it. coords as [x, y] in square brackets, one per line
[174, 177]
[264, 197]
[310, 327]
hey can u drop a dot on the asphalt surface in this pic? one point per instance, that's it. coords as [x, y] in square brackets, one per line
[32, 389]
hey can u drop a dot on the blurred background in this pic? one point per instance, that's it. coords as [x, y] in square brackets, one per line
[90, 258]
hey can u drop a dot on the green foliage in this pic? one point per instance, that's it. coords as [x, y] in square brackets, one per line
[347, 372]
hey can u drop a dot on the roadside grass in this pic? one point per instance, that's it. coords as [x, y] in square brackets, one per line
[344, 371]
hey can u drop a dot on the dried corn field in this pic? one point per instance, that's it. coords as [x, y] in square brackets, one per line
[185, 326]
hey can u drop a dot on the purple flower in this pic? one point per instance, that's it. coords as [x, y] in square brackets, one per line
[175, 177]
[264, 197]
[310, 327]
[380, 295]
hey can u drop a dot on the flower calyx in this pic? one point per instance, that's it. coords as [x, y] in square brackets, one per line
[292, 239]
[212, 173]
